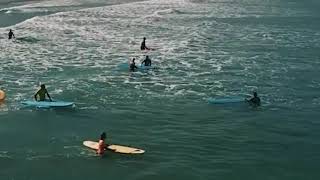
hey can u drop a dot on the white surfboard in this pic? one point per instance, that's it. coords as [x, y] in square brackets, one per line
[114, 148]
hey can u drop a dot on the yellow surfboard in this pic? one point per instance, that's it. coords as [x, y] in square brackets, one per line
[114, 148]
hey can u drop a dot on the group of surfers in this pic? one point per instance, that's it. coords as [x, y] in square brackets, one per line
[132, 66]
[146, 62]
[43, 92]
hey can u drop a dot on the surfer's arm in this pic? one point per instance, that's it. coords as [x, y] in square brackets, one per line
[35, 95]
[48, 96]
[249, 100]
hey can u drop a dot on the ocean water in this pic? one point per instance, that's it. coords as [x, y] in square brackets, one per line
[203, 49]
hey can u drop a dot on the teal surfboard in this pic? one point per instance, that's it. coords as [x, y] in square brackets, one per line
[226, 100]
[48, 104]
[126, 66]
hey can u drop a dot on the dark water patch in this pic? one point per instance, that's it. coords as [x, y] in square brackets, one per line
[27, 40]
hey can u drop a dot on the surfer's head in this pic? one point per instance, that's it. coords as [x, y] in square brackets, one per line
[144, 38]
[43, 86]
[103, 136]
[255, 94]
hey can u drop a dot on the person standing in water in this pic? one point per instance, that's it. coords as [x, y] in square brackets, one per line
[255, 100]
[143, 45]
[133, 65]
[101, 144]
[42, 94]
[10, 34]
[147, 61]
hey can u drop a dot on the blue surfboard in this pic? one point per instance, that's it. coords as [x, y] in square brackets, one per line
[143, 67]
[48, 104]
[226, 100]
[126, 66]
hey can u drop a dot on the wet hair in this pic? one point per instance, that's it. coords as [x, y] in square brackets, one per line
[43, 86]
[255, 94]
[103, 136]
[144, 38]
[133, 59]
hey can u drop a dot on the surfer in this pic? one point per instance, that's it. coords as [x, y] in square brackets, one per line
[147, 61]
[133, 65]
[255, 100]
[42, 92]
[101, 144]
[10, 34]
[143, 45]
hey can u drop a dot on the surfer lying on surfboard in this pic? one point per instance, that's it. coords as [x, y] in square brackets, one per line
[42, 92]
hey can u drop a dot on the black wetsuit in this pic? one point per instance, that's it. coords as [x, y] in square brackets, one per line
[133, 66]
[147, 62]
[255, 101]
[143, 45]
[10, 35]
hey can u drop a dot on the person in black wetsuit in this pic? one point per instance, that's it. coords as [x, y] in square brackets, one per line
[133, 65]
[42, 94]
[255, 100]
[147, 61]
[10, 34]
[143, 45]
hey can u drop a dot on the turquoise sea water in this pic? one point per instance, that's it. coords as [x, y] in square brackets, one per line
[203, 48]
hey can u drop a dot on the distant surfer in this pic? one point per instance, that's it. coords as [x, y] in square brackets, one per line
[255, 100]
[143, 45]
[101, 144]
[147, 61]
[10, 34]
[133, 65]
[42, 94]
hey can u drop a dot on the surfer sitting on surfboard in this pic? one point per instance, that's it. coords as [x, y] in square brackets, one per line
[10, 34]
[143, 45]
[147, 61]
[42, 94]
[255, 100]
[101, 144]
[133, 65]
